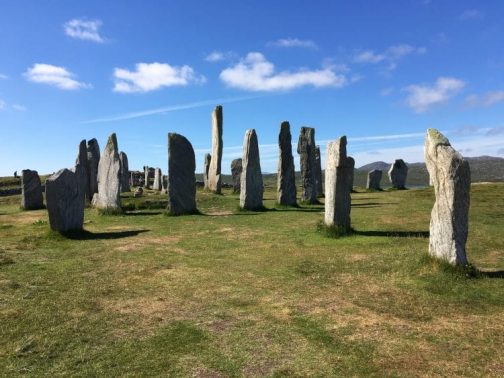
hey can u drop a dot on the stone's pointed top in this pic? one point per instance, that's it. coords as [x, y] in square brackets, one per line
[92, 142]
[112, 143]
[285, 124]
[218, 108]
[437, 138]
[82, 153]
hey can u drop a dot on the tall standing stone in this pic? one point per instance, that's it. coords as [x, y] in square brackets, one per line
[306, 150]
[374, 179]
[351, 164]
[236, 171]
[109, 178]
[64, 199]
[451, 177]
[31, 190]
[146, 176]
[337, 177]
[208, 159]
[181, 177]
[81, 171]
[397, 174]
[214, 172]
[158, 180]
[251, 186]
[93, 159]
[125, 175]
[286, 178]
[318, 172]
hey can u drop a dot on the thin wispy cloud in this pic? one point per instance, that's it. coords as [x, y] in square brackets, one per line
[422, 97]
[149, 77]
[88, 30]
[218, 56]
[19, 108]
[2, 105]
[485, 100]
[255, 73]
[55, 76]
[3, 77]
[471, 14]
[391, 55]
[170, 108]
[294, 42]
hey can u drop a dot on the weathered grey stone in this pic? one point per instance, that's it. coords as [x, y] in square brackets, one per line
[109, 178]
[374, 179]
[251, 185]
[146, 177]
[93, 159]
[318, 173]
[286, 177]
[158, 180]
[125, 176]
[165, 184]
[351, 163]
[81, 171]
[397, 174]
[31, 190]
[338, 173]
[64, 199]
[136, 178]
[451, 178]
[306, 150]
[214, 172]
[181, 178]
[208, 159]
[236, 171]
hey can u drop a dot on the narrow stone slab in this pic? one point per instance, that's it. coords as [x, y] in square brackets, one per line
[318, 173]
[236, 171]
[206, 167]
[158, 180]
[214, 171]
[286, 178]
[125, 174]
[146, 177]
[251, 186]
[451, 177]
[338, 173]
[81, 170]
[93, 159]
[65, 204]
[109, 178]
[397, 174]
[351, 167]
[181, 177]
[373, 179]
[31, 190]
[306, 150]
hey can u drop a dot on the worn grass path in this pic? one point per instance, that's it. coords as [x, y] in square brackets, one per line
[231, 293]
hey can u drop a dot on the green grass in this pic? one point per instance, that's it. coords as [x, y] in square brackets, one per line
[243, 293]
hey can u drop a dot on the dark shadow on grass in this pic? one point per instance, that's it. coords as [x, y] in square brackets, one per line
[141, 213]
[395, 234]
[491, 274]
[373, 204]
[88, 235]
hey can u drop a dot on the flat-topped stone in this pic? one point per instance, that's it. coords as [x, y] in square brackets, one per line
[306, 150]
[214, 171]
[31, 190]
[286, 178]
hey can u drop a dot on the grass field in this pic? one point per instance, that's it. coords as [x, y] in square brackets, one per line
[230, 293]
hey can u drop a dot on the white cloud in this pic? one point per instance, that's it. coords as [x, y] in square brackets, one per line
[368, 56]
[255, 73]
[84, 29]
[217, 56]
[56, 76]
[19, 108]
[471, 14]
[422, 97]
[153, 76]
[294, 42]
[3, 77]
[486, 100]
[391, 55]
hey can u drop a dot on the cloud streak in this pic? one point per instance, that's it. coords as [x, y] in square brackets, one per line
[486, 100]
[87, 30]
[294, 42]
[55, 76]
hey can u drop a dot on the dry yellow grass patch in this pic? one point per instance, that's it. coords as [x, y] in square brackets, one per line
[24, 217]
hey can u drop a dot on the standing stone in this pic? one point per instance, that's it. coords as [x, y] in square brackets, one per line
[251, 185]
[214, 171]
[337, 177]
[146, 176]
[31, 190]
[109, 178]
[93, 159]
[181, 177]
[236, 171]
[373, 179]
[208, 158]
[306, 150]
[165, 184]
[451, 177]
[351, 164]
[125, 176]
[318, 172]
[397, 174]
[158, 180]
[81, 171]
[64, 199]
[286, 178]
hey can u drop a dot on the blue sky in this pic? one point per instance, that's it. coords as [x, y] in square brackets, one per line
[380, 72]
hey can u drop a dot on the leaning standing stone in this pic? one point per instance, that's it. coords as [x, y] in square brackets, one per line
[64, 201]
[398, 173]
[374, 179]
[286, 179]
[158, 180]
[181, 178]
[318, 172]
[93, 159]
[251, 186]
[338, 173]
[214, 172]
[208, 159]
[306, 151]
[125, 176]
[109, 178]
[236, 171]
[31, 190]
[451, 177]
